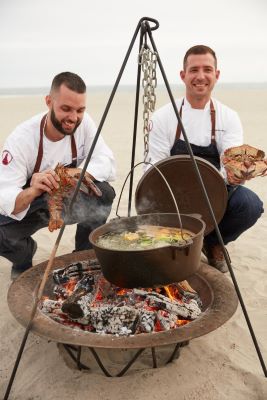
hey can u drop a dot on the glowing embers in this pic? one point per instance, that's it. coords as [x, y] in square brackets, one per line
[82, 298]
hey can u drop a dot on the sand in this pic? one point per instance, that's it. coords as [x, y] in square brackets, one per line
[221, 365]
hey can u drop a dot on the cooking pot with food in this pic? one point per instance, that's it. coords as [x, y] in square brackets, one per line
[175, 261]
[153, 266]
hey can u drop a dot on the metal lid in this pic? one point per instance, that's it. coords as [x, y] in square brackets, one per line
[153, 196]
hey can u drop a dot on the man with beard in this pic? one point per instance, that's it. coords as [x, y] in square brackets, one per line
[30, 154]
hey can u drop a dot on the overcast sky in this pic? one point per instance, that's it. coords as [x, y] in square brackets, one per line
[40, 38]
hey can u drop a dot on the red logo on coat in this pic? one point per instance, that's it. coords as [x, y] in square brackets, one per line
[6, 157]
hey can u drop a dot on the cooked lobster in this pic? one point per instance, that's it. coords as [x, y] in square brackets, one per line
[67, 183]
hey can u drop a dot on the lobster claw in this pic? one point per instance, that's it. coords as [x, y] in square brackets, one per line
[88, 186]
[94, 188]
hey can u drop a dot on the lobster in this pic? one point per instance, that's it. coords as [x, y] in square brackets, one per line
[68, 178]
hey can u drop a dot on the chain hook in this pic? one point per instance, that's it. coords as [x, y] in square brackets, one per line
[148, 62]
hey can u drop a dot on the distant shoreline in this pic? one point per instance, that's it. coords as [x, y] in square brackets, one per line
[44, 90]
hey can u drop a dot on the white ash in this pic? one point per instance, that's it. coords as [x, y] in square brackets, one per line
[111, 319]
[166, 322]
[146, 321]
[49, 306]
[60, 291]
[84, 303]
[193, 308]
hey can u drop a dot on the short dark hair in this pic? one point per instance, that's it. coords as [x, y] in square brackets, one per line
[69, 79]
[199, 49]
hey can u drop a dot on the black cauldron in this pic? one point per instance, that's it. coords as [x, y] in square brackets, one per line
[150, 267]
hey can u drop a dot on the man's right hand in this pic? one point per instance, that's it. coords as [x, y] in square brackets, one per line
[232, 179]
[41, 182]
[45, 181]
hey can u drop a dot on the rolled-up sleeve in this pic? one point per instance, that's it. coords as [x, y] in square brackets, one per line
[7, 203]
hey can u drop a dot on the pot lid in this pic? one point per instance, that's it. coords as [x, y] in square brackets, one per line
[153, 195]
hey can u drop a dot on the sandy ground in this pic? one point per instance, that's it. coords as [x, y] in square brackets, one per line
[221, 365]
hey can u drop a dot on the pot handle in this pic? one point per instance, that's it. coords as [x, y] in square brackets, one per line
[195, 215]
[163, 177]
[181, 247]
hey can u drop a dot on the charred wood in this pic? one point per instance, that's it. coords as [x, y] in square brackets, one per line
[76, 305]
[85, 299]
[75, 270]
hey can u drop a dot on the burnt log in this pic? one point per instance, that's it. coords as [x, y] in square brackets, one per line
[76, 305]
[75, 270]
[189, 310]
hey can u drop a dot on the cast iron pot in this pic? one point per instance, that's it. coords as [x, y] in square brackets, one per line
[152, 267]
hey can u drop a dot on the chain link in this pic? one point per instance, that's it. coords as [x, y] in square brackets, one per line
[148, 62]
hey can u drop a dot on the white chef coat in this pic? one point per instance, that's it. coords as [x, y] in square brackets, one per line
[197, 124]
[20, 152]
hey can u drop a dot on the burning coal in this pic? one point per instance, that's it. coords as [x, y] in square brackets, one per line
[83, 299]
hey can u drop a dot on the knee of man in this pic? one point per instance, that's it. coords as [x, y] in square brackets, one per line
[108, 193]
[254, 205]
[2, 237]
[247, 203]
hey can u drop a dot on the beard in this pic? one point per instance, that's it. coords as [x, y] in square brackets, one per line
[59, 125]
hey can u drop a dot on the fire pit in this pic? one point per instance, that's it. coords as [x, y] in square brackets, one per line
[79, 296]
[217, 295]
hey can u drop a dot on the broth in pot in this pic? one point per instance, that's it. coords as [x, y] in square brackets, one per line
[144, 238]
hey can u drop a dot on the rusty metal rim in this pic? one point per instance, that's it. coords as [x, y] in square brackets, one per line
[20, 300]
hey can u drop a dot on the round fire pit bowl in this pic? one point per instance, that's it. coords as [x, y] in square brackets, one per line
[215, 290]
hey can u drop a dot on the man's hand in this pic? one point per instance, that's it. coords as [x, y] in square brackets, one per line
[234, 180]
[41, 182]
[45, 181]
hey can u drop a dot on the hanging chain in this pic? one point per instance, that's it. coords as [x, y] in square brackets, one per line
[148, 61]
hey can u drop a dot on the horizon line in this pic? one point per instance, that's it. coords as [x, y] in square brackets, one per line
[44, 89]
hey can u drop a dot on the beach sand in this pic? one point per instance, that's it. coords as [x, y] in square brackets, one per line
[221, 365]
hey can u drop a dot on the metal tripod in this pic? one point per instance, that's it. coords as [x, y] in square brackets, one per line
[145, 29]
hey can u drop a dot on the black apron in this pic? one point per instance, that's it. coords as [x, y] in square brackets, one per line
[209, 153]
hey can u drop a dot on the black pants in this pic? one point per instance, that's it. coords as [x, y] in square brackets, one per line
[88, 212]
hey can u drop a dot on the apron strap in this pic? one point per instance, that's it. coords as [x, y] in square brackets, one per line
[41, 151]
[73, 152]
[178, 130]
[212, 117]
